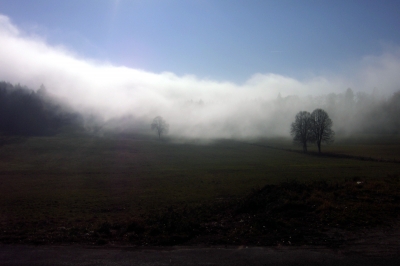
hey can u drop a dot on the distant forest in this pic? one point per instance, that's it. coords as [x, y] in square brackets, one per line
[25, 112]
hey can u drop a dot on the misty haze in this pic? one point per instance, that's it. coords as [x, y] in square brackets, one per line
[174, 123]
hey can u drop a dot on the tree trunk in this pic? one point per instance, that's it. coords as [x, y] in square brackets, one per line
[319, 147]
[305, 147]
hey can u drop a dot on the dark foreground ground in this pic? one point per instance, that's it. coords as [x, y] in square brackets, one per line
[369, 247]
[79, 255]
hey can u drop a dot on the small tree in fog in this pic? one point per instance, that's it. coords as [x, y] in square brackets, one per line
[321, 127]
[160, 126]
[301, 129]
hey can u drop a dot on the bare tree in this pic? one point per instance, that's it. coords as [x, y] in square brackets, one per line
[160, 126]
[301, 129]
[321, 127]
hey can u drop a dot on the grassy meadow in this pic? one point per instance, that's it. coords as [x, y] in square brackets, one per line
[138, 190]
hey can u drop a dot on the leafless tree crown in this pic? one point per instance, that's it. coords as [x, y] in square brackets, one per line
[301, 129]
[160, 126]
[321, 126]
[314, 127]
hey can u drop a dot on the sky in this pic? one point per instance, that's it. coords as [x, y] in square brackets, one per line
[220, 40]
[146, 57]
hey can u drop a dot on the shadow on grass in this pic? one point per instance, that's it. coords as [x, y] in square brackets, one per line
[330, 154]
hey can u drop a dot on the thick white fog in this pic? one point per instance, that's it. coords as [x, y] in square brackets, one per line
[193, 107]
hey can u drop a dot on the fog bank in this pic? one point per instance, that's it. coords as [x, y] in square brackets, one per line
[193, 107]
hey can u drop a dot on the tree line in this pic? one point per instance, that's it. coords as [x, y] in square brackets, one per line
[25, 112]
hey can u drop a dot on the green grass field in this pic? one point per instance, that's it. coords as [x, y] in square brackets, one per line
[51, 186]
